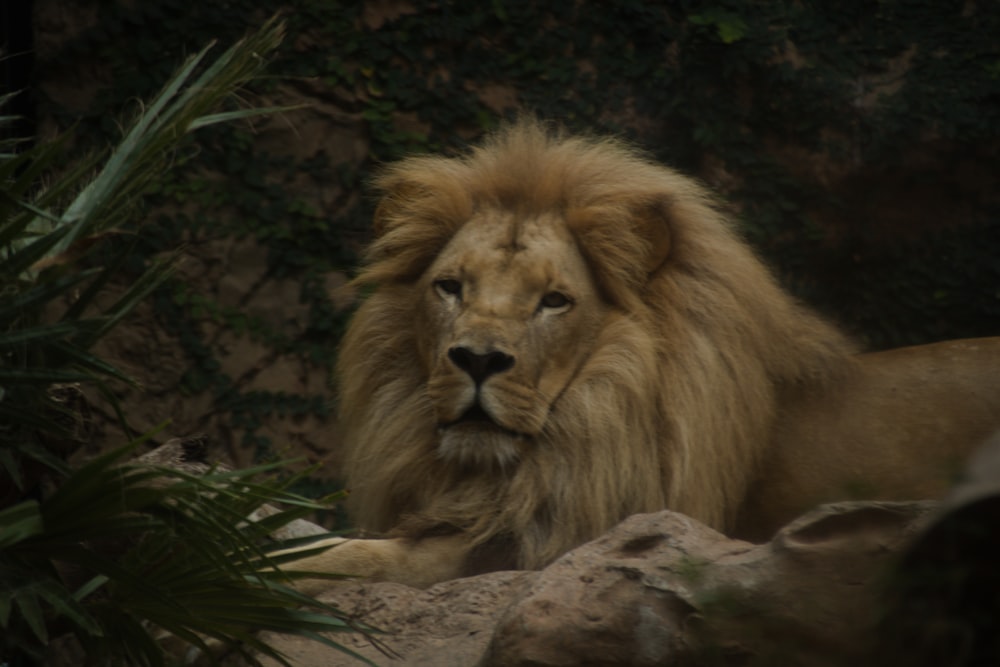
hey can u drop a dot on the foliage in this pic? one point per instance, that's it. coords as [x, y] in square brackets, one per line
[47, 232]
[185, 562]
[117, 554]
[756, 97]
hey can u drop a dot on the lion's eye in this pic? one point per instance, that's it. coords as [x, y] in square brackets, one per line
[554, 300]
[448, 287]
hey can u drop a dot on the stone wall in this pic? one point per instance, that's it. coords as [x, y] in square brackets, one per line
[857, 217]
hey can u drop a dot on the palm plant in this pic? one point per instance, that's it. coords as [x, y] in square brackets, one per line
[185, 563]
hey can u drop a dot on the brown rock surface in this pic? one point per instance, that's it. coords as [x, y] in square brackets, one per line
[659, 589]
[664, 589]
[447, 625]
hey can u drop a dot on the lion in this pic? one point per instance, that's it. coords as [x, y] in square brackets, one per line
[562, 333]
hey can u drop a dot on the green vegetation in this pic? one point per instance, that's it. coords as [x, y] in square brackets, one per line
[818, 120]
[111, 554]
[799, 112]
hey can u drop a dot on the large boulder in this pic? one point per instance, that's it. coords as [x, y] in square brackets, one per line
[659, 589]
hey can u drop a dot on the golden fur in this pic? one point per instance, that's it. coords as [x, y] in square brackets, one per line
[677, 399]
[563, 333]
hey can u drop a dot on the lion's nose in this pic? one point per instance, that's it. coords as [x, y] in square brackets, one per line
[480, 366]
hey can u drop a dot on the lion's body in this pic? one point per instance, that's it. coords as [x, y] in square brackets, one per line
[563, 333]
[898, 428]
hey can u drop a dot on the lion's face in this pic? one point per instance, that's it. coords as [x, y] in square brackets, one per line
[510, 313]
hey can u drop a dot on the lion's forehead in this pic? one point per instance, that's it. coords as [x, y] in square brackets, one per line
[502, 255]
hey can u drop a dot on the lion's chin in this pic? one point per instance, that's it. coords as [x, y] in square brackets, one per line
[479, 445]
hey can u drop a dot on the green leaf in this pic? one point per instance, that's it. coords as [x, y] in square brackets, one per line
[19, 522]
[30, 607]
[139, 290]
[243, 114]
[88, 363]
[11, 464]
[66, 605]
[94, 584]
[730, 27]
[31, 450]
[42, 376]
[35, 334]
[40, 295]
[732, 31]
[19, 262]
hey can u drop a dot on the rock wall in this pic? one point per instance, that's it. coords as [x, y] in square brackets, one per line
[897, 246]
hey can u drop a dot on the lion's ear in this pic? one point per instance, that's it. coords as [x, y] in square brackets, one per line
[652, 224]
[625, 241]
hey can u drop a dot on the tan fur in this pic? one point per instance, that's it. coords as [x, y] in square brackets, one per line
[661, 386]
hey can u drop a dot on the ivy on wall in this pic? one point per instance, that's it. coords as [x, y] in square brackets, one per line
[815, 120]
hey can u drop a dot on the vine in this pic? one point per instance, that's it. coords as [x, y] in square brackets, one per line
[788, 107]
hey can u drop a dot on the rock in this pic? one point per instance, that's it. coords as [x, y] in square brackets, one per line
[659, 589]
[663, 589]
[447, 625]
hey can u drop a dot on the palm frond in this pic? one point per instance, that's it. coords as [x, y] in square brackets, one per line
[47, 233]
[120, 553]
[188, 563]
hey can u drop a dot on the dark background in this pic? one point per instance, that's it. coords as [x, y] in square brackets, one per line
[856, 142]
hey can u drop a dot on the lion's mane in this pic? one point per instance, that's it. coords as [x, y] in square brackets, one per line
[675, 407]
